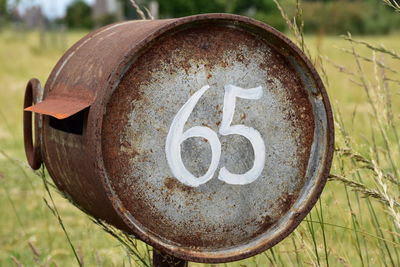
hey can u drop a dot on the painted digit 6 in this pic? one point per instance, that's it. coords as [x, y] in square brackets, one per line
[176, 136]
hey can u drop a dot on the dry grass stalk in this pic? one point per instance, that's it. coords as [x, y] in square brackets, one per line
[339, 67]
[138, 10]
[17, 262]
[53, 208]
[294, 27]
[80, 253]
[128, 241]
[391, 204]
[366, 164]
[149, 15]
[36, 253]
[380, 48]
[393, 4]
[363, 189]
[380, 64]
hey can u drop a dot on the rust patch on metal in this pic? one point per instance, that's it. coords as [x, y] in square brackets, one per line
[172, 184]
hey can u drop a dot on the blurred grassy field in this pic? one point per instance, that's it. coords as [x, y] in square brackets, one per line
[31, 235]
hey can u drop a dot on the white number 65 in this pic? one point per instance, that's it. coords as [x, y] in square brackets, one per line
[176, 137]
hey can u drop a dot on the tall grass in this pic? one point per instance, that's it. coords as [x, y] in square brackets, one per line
[366, 163]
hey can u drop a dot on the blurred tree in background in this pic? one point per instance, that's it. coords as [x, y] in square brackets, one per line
[79, 15]
[264, 10]
[3, 13]
[3, 7]
[319, 16]
[356, 16]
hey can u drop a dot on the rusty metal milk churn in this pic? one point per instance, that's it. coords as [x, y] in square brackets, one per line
[209, 137]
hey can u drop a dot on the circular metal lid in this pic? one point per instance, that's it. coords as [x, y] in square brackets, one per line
[218, 139]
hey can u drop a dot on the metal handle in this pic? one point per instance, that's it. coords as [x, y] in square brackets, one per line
[32, 150]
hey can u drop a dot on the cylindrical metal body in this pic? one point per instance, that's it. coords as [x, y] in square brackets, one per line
[117, 94]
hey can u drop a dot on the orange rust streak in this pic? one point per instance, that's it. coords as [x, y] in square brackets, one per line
[60, 108]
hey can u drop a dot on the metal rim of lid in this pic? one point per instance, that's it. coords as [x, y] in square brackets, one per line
[233, 253]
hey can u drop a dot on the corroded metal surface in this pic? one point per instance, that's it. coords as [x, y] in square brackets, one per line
[275, 140]
[214, 215]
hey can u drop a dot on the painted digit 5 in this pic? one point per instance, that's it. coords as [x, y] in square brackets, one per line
[231, 92]
[176, 136]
